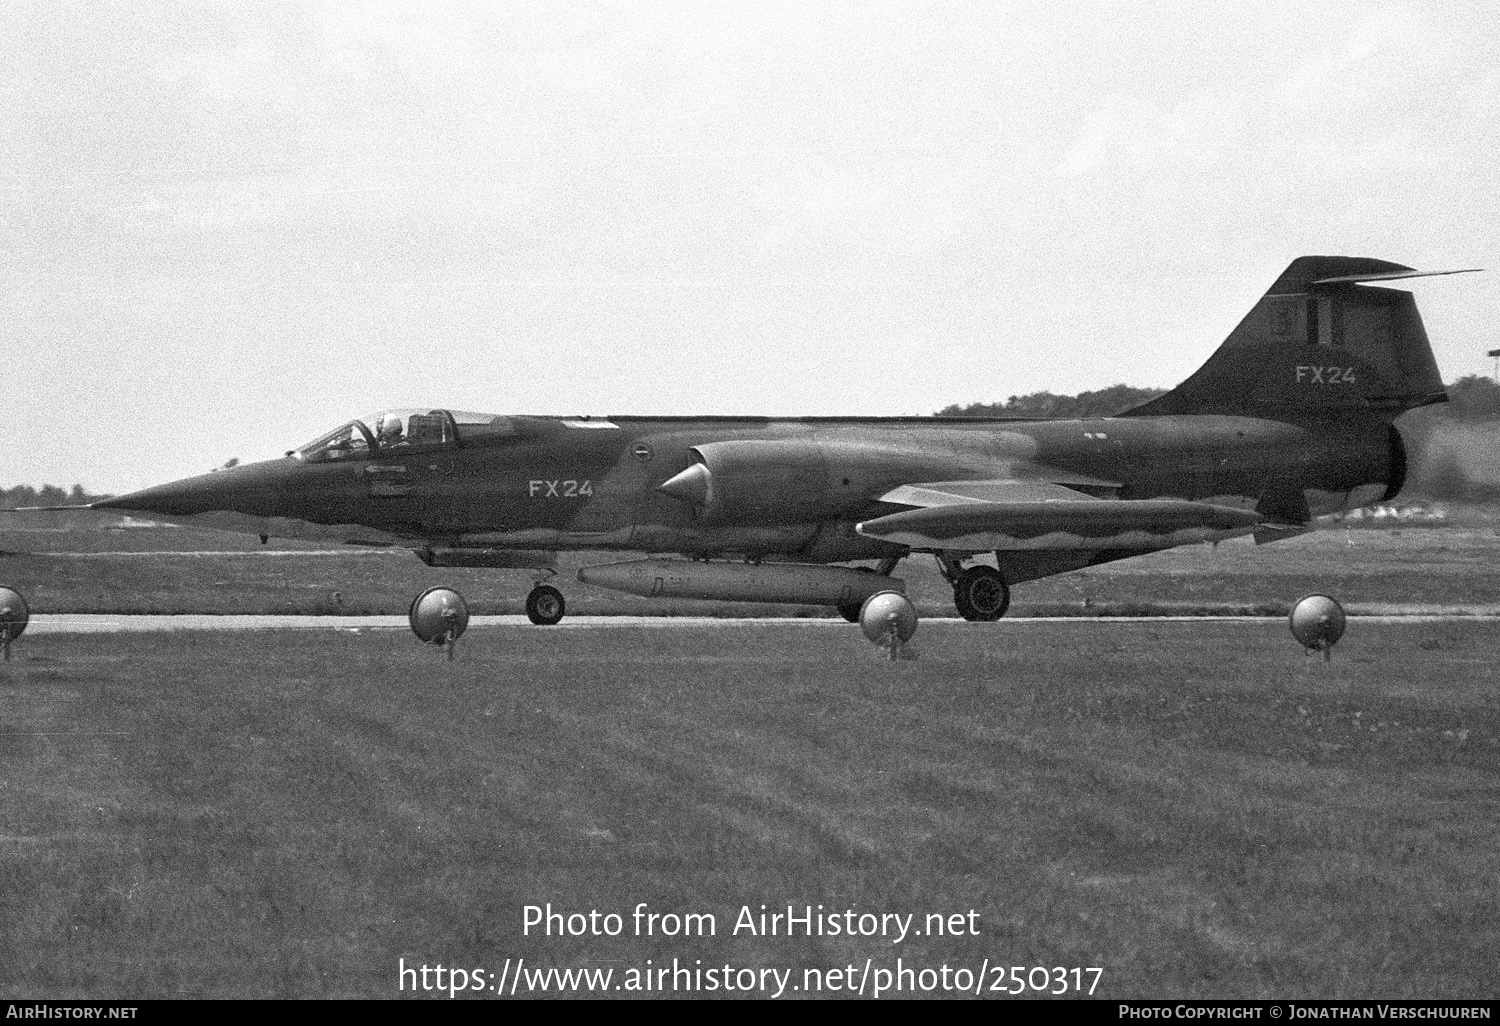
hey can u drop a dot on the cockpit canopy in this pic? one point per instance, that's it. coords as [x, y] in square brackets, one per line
[399, 430]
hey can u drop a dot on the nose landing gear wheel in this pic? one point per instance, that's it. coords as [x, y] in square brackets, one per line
[545, 605]
[981, 594]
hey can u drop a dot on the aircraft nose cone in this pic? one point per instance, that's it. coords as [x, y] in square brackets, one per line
[254, 489]
[695, 485]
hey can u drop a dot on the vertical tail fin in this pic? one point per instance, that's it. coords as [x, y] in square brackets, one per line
[1318, 342]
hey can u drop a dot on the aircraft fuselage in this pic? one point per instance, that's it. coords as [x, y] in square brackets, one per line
[789, 488]
[1289, 419]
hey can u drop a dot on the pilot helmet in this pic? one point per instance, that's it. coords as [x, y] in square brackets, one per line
[390, 426]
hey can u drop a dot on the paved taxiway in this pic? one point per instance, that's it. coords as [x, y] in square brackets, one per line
[108, 623]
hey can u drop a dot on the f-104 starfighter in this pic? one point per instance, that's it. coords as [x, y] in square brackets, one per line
[1290, 419]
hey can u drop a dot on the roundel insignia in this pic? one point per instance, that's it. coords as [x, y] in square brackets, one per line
[641, 451]
[1281, 319]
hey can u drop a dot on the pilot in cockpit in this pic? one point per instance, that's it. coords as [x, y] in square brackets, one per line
[390, 431]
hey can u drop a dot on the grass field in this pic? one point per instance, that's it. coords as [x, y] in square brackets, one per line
[1197, 809]
[179, 571]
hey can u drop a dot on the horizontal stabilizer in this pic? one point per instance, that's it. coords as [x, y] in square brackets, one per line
[1060, 524]
[1347, 279]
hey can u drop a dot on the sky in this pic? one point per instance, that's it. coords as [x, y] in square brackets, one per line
[226, 227]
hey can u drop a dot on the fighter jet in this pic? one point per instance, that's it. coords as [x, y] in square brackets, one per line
[1290, 419]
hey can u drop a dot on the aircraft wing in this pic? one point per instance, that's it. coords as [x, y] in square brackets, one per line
[978, 516]
[953, 493]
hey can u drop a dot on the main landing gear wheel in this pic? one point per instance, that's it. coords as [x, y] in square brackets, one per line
[850, 612]
[981, 594]
[545, 605]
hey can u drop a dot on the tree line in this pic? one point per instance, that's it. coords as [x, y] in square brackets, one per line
[1470, 398]
[1474, 397]
[1450, 443]
[1106, 402]
[46, 495]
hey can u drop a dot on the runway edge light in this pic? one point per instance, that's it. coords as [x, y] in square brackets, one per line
[439, 616]
[888, 619]
[1318, 622]
[14, 615]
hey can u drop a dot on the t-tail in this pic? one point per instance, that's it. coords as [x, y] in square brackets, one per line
[1319, 343]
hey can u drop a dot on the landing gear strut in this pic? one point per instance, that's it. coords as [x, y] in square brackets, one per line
[979, 592]
[545, 605]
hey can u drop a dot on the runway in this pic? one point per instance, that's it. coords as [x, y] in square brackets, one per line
[108, 623]
[221, 554]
